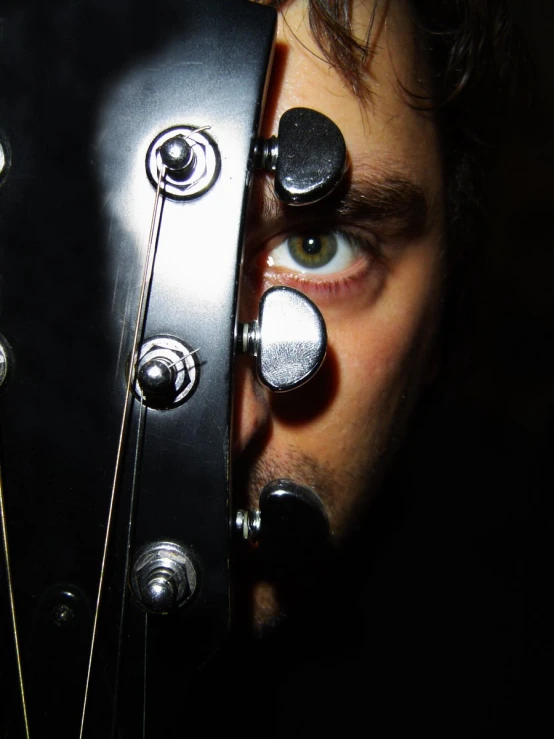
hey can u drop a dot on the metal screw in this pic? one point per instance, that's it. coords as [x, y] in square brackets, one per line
[62, 614]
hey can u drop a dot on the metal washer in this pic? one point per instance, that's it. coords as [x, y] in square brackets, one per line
[206, 171]
[173, 349]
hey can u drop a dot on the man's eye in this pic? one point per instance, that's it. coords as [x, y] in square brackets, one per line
[315, 253]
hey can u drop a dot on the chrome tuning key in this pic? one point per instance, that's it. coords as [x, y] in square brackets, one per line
[291, 526]
[6, 361]
[308, 156]
[5, 158]
[289, 339]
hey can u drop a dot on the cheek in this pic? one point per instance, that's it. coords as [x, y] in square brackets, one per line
[376, 349]
[374, 358]
[376, 355]
[381, 348]
[348, 409]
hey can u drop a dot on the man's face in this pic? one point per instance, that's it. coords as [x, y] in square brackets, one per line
[370, 258]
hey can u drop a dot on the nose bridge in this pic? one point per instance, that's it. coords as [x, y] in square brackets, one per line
[250, 405]
[263, 212]
[251, 414]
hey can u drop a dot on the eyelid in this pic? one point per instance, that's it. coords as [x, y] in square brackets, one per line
[335, 252]
[362, 277]
[364, 239]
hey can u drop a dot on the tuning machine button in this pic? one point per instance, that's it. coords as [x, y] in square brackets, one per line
[291, 526]
[289, 339]
[308, 156]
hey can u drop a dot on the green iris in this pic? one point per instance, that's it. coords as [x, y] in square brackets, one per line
[311, 251]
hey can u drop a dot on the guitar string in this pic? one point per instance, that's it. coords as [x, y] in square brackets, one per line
[183, 360]
[144, 291]
[127, 567]
[12, 608]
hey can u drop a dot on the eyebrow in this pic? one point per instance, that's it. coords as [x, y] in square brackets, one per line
[397, 206]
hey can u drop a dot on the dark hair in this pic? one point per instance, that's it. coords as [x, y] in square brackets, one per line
[475, 59]
[477, 71]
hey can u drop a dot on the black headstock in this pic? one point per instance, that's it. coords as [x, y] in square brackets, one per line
[128, 142]
[91, 475]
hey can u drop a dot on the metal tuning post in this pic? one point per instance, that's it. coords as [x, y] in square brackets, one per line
[5, 158]
[308, 156]
[6, 361]
[191, 160]
[289, 339]
[163, 577]
[291, 526]
[166, 374]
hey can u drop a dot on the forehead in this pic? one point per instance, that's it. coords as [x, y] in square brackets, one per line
[382, 129]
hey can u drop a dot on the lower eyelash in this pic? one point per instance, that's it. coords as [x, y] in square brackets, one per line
[326, 287]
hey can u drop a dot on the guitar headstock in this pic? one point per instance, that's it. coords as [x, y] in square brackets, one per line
[130, 138]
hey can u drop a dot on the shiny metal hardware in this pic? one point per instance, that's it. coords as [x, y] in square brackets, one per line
[166, 372]
[163, 577]
[62, 615]
[266, 154]
[178, 156]
[63, 607]
[5, 361]
[2, 159]
[289, 339]
[5, 158]
[247, 525]
[308, 156]
[190, 159]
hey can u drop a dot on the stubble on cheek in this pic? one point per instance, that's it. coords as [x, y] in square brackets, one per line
[344, 493]
[346, 485]
[291, 463]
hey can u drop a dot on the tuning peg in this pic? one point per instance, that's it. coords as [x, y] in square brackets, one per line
[6, 361]
[5, 159]
[308, 156]
[291, 526]
[163, 577]
[289, 339]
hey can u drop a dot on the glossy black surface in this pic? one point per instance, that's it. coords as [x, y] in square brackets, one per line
[294, 530]
[312, 157]
[84, 89]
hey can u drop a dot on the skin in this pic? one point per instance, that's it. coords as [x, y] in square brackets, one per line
[381, 305]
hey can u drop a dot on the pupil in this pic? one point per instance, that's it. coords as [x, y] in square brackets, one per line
[312, 244]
